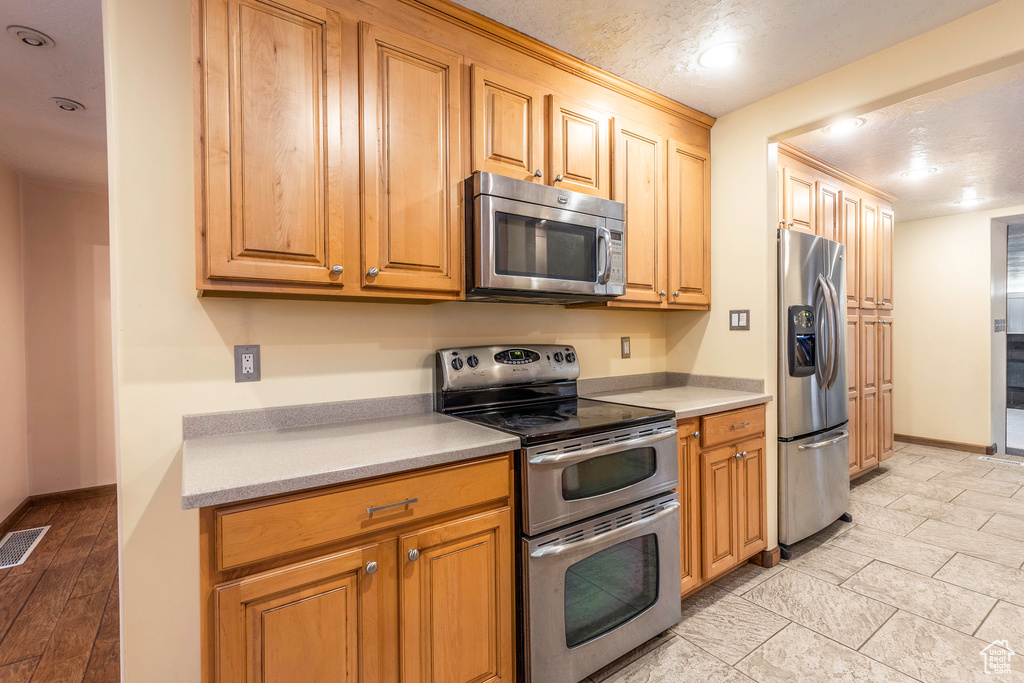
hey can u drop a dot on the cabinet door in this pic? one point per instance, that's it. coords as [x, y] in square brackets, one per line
[828, 210]
[849, 236]
[579, 150]
[272, 191]
[412, 228]
[457, 601]
[508, 114]
[752, 498]
[718, 511]
[318, 620]
[798, 198]
[869, 391]
[885, 417]
[868, 255]
[689, 226]
[689, 500]
[640, 184]
[853, 388]
[885, 229]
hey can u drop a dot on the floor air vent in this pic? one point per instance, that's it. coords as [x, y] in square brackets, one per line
[1018, 463]
[18, 545]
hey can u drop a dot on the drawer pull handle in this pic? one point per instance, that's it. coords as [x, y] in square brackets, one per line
[377, 508]
[371, 567]
[414, 555]
[741, 425]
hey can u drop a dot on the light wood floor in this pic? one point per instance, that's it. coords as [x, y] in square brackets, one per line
[59, 610]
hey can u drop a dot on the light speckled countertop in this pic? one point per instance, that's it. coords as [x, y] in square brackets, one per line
[687, 401]
[233, 467]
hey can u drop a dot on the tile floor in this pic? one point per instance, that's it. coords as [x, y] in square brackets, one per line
[926, 576]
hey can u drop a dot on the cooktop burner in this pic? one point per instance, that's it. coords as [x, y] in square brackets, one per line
[564, 419]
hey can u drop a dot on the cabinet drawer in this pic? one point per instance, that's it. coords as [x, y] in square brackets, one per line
[731, 427]
[252, 532]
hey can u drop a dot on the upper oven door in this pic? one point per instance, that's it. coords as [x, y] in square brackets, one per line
[571, 480]
[529, 247]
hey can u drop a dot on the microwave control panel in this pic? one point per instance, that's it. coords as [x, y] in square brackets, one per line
[618, 269]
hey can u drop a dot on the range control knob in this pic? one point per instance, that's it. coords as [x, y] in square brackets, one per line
[473, 361]
[570, 357]
[558, 356]
[457, 363]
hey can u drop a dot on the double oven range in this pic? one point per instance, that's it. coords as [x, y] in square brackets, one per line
[598, 551]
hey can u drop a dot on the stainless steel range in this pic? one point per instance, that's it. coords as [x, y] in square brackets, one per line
[599, 532]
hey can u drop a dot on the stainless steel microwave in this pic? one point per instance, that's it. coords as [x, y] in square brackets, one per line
[533, 243]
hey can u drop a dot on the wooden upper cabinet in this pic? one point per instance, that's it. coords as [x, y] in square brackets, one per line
[641, 184]
[457, 601]
[507, 125]
[849, 236]
[579, 150]
[798, 200]
[412, 226]
[313, 621]
[828, 211]
[272, 157]
[885, 230]
[689, 501]
[689, 226]
[868, 255]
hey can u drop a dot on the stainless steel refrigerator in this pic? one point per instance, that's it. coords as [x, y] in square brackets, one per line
[814, 442]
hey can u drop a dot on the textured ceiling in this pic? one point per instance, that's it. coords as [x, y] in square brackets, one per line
[656, 42]
[972, 132]
[36, 137]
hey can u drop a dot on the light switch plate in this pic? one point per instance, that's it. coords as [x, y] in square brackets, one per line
[247, 363]
[625, 346]
[739, 319]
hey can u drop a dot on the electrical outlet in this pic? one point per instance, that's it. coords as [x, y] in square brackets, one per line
[247, 363]
[625, 347]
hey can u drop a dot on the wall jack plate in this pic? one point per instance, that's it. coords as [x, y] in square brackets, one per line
[739, 320]
[247, 363]
[624, 341]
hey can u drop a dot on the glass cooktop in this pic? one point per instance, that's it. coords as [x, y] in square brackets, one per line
[565, 419]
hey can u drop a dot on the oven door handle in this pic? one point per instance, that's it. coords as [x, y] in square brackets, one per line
[604, 449]
[605, 235]
[613, 535]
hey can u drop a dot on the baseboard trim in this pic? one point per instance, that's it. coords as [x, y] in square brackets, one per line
[952, 445]
[767, 558]
[53, 499]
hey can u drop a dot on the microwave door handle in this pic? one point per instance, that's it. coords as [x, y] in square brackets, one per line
[605, 235]
[603, 539]
[604, 449]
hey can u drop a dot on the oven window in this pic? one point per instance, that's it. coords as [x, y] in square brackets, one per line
[608, 473]
[609, 588]
[531, 247]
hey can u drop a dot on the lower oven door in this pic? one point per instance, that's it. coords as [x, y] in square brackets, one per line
[594, 591]
[570, 480]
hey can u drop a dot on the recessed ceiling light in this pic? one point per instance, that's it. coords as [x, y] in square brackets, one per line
[969, 201]
[719, 56]
[66, 104]
[30, 36]
[844, 126]
[915, 173]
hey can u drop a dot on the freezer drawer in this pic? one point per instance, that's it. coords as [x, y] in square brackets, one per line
[814, 483]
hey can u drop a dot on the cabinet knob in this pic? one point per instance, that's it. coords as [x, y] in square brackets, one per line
[741, 454]
[373, 272]
[371, 567]
[661, 293]
[791, 224]
[696, 435]
[414, 555]
[559, 178]
[675, 293]
[538, 173]
[337, 270]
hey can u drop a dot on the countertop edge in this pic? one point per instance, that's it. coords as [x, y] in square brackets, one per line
[732, 404]
[194, 501]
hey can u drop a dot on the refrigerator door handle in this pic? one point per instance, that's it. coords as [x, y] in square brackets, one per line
[822, 312]
[827, 442]
[836, 334]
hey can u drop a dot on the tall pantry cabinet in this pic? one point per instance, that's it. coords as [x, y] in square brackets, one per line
[819, 199]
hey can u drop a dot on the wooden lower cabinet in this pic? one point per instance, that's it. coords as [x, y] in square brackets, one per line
[429, 601]
[723, 493]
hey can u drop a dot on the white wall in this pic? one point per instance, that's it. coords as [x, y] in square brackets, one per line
[942, 337]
